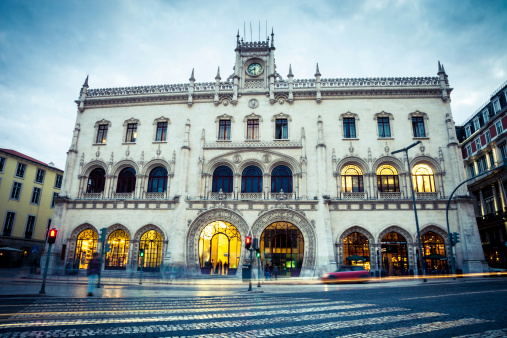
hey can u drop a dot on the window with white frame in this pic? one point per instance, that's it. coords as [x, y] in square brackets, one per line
[478, 143]
[130, 130]
[36, 195]
[58, 181]
[485, 115]
[16, 190]
[224, 130]
[20, 170]
[161, 124]
[496, 105]
[281, 126]
[30, 226]
[491, 159]
[2, 164]
[503, 151]
[469, 149]
[101, 128]
[477, 125]
[468, 131]
[8, 223]
[39, 175]
[55, 195]
[498, 126]
[487, 134]
[482, 165]
[384, 129]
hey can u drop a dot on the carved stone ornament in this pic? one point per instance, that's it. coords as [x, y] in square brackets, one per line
[253, 103]
[422, 148]
[103, 121]
[127, 152]
[349, 115]
[111, 160]
[224, 117]
[252, 116]
[161, 119]
[225, 102]
[81, 162]
[158, 150]
[281, 100]
[383, 114]
[266, 158]
[281, 116]
[132, 120]
[97, 154]
[369, 155]
[386, 148]
[351, 149]
[236, 159]
[440, 154]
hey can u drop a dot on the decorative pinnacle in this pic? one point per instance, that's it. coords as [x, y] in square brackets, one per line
[192, 76]
[218, 74]
[85, 84]
[317, 72]
[290, 71]
[272, 37]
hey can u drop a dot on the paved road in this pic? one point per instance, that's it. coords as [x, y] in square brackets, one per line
[461, 309]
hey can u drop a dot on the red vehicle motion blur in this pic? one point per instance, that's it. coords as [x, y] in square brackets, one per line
[347, 273]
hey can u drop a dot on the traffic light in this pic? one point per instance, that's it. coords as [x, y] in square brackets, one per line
[52, 236]
[455, 238]
[258, 253]
[141, 252]
[248, 243]
[256, 247]
[103, 234]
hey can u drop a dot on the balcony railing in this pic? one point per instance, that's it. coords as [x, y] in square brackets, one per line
[282, 196]
[354, 195]
[155, 195]
[251, 196]
[426, 195]
[390, 195]
[92, 196]
[123, 195]
[220, 195]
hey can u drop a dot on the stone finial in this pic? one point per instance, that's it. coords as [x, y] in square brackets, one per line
[192, 76]
[317, 72]
[85, 84]
[272, 37]
[218, 74]
[290, 71]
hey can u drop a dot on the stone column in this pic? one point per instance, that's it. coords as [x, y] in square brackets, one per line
[483, 209]
[495, 198]
[502, 193]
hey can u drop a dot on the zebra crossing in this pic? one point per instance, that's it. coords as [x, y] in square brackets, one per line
[235, 316]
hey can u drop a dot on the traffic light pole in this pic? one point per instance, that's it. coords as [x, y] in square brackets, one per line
[43, 287]
[258, 272]
[251, 265]
[101, 260]
[141, 275]
[453, 262]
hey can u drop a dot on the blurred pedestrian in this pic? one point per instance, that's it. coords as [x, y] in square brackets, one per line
[93, 271]
[226, 268]
[275, 271]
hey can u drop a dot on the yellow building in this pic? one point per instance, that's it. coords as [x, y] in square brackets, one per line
[27, 191]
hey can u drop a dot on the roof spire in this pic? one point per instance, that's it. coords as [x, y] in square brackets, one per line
[85, 84]
[218, 74]
[192, 76]
[317, 72]
[237, 38]
[272, 37]
[290, 70]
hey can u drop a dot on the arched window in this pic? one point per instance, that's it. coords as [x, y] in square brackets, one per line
[96, 181]
[251, 180]
[158, 180]
[387, 179]
[126, 180]
[422, 177]
[281, 179]
[433, 247]
[222, 179]
[352, 179]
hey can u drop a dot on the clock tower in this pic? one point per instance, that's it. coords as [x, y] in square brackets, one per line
[255, 70]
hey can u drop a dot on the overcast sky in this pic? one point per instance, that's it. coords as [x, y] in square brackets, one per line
[48, 47]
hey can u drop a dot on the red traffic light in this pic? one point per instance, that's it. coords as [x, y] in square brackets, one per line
[52, 236]
[248, 242]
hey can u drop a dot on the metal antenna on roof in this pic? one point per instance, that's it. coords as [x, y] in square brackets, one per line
[251, 39]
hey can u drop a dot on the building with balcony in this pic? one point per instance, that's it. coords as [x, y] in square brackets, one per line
[483, 145]
[28, 188]
[187, 171]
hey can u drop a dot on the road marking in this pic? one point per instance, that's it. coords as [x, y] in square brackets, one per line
[490, 334]
[453, 294]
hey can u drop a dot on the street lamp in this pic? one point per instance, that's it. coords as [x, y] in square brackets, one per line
[415, 207]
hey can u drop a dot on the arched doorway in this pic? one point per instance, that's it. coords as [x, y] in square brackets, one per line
[282, 245]
[116, 258]
[152, 242]
[394, 254]
[219, 249]
[356, 244]
[85, 247]
[434, 251]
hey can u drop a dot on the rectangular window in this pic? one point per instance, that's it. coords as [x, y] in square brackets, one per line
[481, 164]
[2, 164]
[39, 175]
[503, 151]
[488, 136]
[161, 131]
[252, 130]
[9, 223]
[35, 195]
[30, 225]
[55, 195]
[477, 125]
[498, 126]
[471, 169]
[58, 181]
[485, 115]
[102, 133]
[349, 127]
[496, 106]
[224, 130]
[469, 150]
[383, 127]
[20, 170]
[16, 190]
[478, 143]
[418, 127]
[281, 129]
[491, 160]
[468, 131]
[131, 132]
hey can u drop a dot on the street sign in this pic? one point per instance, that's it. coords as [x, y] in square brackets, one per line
[35, 249]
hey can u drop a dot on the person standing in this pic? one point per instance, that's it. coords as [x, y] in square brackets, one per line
[93, 271]
[226, 268]
[275, 271]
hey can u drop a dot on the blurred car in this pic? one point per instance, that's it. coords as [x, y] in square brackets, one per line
[497, 271]
[347, 273]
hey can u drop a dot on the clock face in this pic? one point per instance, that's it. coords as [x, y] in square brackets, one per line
[254, 69]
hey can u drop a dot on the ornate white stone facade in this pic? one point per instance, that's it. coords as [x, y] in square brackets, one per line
[315, 148]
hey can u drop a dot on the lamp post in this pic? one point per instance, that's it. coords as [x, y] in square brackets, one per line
[415, 207]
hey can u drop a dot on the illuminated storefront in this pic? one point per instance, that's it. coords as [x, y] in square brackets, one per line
[434, 251]
[282, 245]
[356, 244]
[152, 243]
[394, 254]
[219, 249]
[85, 247]
[116, 258]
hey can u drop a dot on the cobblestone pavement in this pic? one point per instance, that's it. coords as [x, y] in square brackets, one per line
[471, 309]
